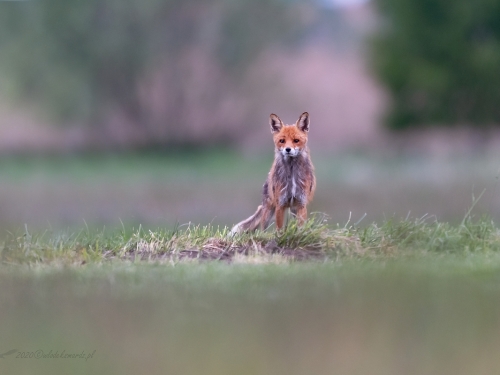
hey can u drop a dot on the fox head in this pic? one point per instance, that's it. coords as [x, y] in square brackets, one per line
[290, 140]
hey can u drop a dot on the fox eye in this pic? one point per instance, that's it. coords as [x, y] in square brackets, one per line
[296, 141]
[282, 141]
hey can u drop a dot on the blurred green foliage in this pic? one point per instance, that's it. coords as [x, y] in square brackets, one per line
[81, 59]
[440, 61]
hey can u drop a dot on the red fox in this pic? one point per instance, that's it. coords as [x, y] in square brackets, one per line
[290, 183]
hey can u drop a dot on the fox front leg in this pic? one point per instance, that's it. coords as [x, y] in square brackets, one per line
[280, 217]
[301, 213]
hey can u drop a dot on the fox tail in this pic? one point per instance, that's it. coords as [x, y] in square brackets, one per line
[250, 224]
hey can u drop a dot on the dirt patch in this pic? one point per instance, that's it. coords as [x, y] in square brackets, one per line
[221, 250]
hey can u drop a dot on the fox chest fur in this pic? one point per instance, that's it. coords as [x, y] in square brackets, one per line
[290, 182]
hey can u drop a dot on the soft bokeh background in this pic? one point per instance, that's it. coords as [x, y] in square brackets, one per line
[156, 112]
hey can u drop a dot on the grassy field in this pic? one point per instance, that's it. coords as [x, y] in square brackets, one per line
[413, 297]
[438, 315]
[384, 296]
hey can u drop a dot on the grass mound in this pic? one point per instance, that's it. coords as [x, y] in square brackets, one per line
[315, 240]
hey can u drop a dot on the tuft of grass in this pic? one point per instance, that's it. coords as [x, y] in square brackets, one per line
[315, 240]
[421, 236]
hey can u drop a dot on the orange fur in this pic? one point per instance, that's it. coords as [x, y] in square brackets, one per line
[290, 183]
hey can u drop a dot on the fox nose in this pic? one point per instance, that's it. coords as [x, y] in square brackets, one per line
[288, 149]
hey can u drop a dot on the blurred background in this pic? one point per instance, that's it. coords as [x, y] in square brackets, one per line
[156, 112]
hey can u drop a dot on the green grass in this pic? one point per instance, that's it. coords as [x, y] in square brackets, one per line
[316, 240]
[434, 315]
[411, 296]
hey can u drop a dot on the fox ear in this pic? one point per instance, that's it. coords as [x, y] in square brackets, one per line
[276, 123]
[303, 122]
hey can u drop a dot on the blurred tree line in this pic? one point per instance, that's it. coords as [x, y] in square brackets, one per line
[440, 60]
[150, 72]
